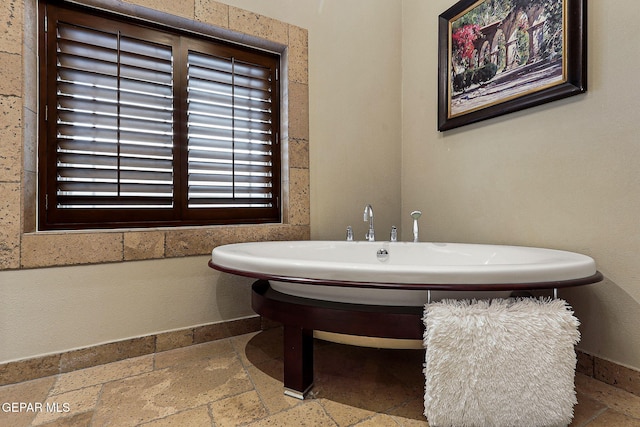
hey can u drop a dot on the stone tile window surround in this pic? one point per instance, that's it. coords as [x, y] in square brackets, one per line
[22, 246]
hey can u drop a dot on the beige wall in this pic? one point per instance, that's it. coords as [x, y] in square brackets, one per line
[354, 107]
[65, 308]
[563, 175]
[355, 129]
[66, 290]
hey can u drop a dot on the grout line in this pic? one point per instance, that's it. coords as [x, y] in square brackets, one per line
[246, 371]
[327, 413]
[597, 415]
[251, 380]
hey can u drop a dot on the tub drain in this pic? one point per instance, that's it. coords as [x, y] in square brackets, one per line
[383, 254]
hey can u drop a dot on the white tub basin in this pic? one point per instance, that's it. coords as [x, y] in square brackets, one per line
[411, 275]
[428, 265]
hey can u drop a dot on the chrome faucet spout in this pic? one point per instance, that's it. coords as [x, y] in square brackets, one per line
[368, 216]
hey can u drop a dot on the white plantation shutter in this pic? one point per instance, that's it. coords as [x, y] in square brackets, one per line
[230, 133]
[114, 121]
[149, 127]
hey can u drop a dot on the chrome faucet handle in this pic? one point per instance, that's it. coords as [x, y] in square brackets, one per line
[349, 234]
[394, 234]
[415, 215]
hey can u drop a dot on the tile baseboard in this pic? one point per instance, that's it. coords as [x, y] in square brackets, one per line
[59, 363]
[19, 371]
[608, 372]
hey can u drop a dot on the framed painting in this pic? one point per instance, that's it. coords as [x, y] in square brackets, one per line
[500, 56]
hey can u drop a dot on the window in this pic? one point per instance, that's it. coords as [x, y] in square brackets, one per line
[146, 126]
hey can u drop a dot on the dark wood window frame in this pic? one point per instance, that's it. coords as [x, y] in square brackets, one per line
[143, 125]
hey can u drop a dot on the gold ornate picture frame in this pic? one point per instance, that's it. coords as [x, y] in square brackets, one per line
[500, 56]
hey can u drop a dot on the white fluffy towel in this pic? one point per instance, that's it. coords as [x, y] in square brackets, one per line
[503, 362]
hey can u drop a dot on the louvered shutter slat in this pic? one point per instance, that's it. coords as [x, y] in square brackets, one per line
[115, 121]
[230, 133]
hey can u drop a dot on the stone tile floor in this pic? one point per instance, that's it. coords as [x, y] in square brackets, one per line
[237, 381]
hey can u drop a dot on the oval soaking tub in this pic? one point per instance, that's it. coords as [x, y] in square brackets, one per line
[400, 273]
[378, 289]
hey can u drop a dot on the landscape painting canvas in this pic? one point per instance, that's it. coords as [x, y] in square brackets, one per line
[498, 56]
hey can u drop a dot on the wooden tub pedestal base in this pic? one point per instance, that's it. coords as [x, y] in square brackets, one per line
[301, 316]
